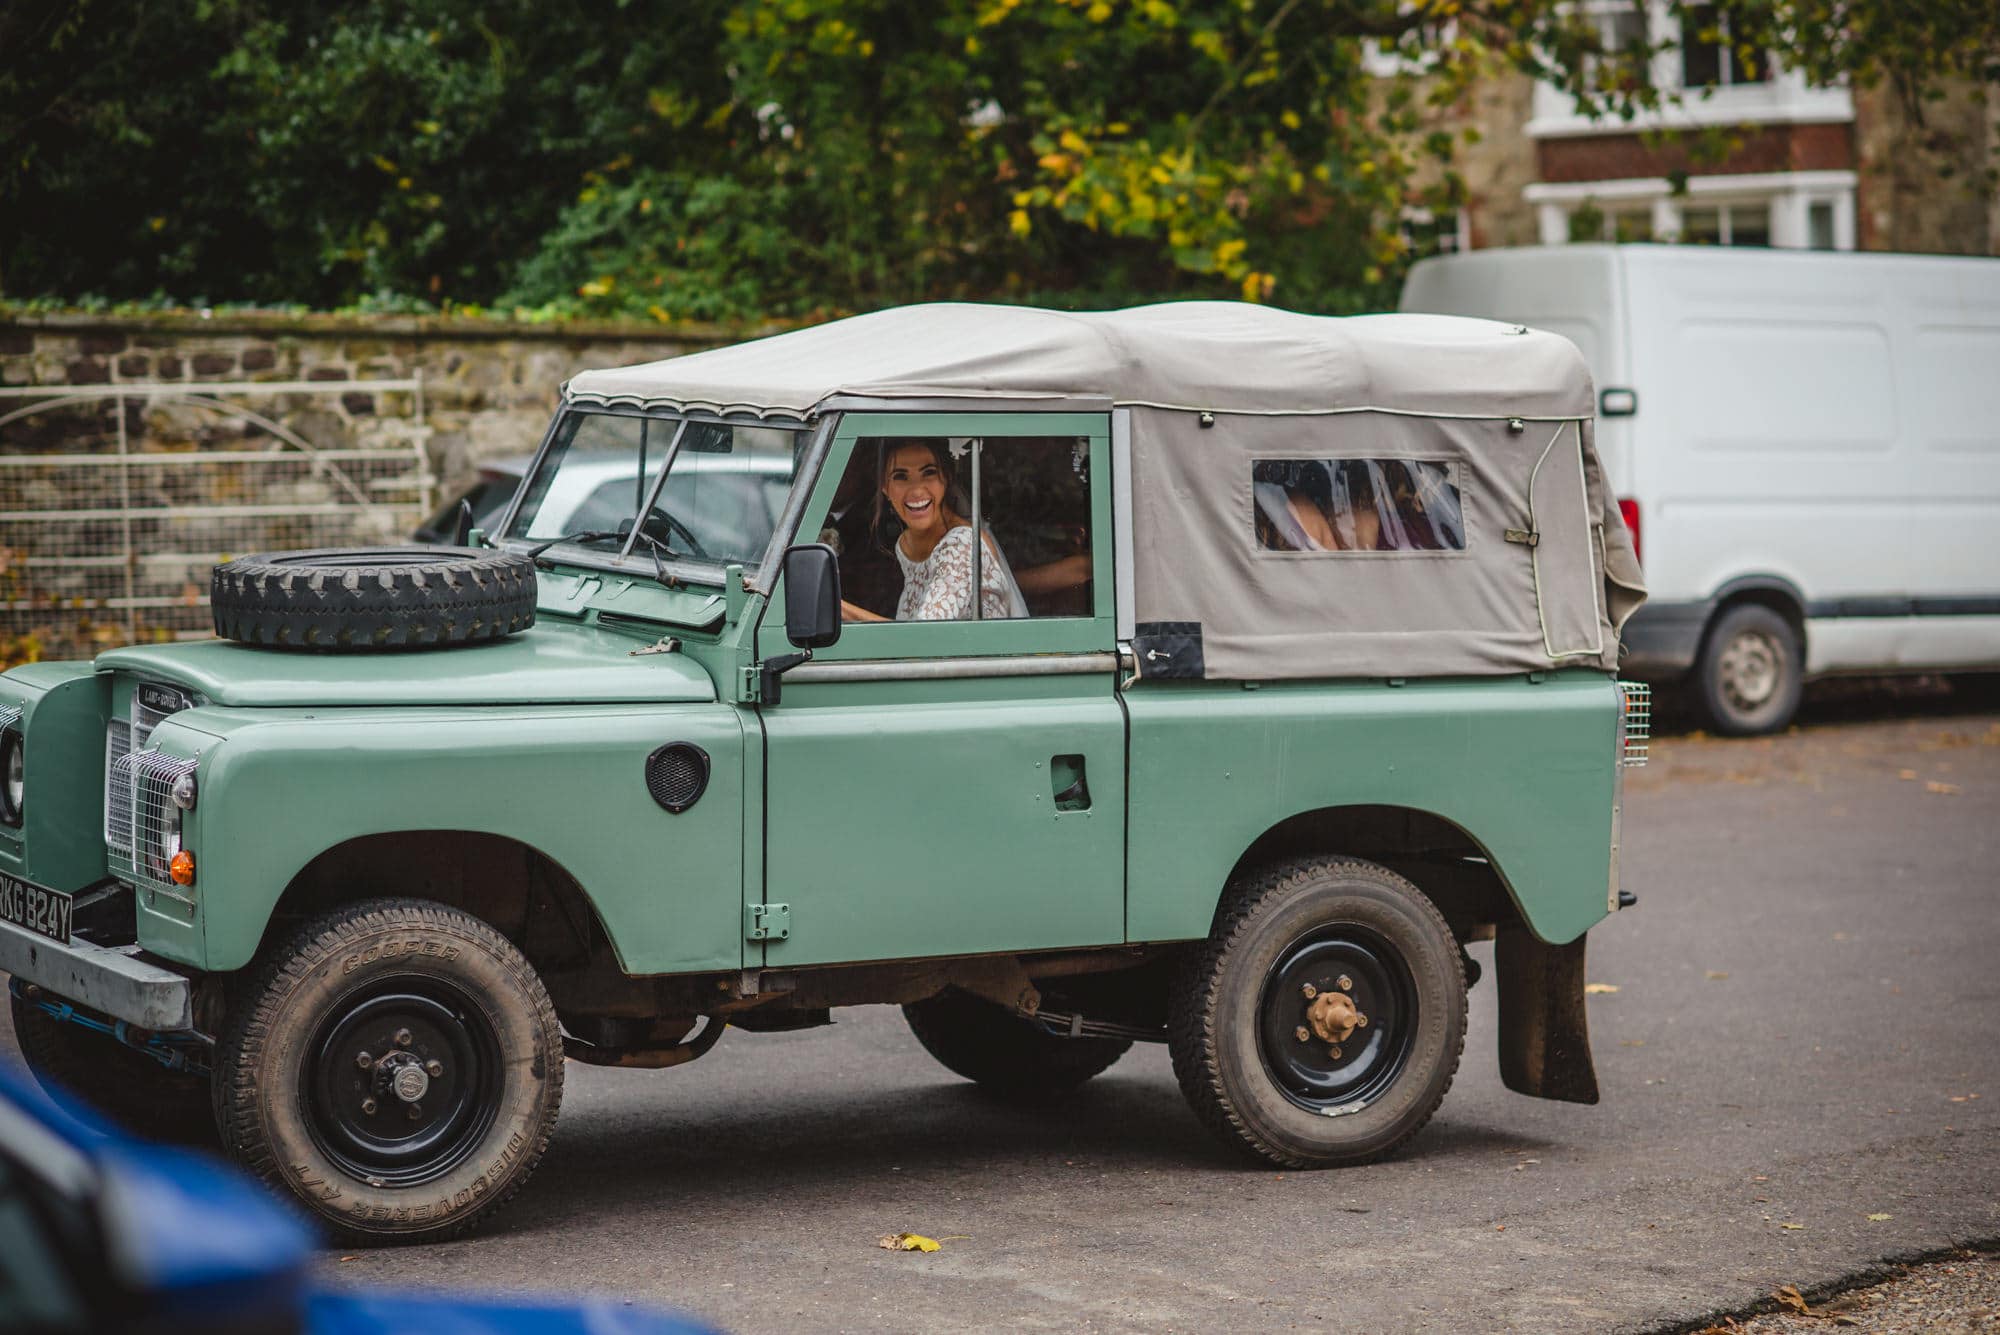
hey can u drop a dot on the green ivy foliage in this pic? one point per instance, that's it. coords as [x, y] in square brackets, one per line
[732, 159]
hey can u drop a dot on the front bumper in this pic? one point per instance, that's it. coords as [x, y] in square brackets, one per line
[113, 980]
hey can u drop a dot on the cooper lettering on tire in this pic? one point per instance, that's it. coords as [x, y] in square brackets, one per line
[1322, 1021]
[373, 598]
[400, 1098]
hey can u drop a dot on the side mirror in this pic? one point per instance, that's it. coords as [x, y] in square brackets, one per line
[812, 595]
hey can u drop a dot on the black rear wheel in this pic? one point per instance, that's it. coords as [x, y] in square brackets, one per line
[1323, 1020]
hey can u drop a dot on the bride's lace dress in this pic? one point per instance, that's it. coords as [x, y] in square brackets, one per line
[939, 587]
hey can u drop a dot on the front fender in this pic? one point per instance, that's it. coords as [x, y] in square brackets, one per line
[280, 787]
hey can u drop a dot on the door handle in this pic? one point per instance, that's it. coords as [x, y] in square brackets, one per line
[1072, 790]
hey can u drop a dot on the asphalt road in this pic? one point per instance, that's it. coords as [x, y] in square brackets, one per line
[1800, 1065]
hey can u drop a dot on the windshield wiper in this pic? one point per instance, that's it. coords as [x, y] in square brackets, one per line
[654, 546]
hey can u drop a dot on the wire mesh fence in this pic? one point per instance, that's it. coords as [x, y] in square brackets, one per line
[116, 500]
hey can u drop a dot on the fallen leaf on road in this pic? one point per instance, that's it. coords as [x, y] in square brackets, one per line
[908, 1242]
[1717, 975]
[1946, 789]
[1593, 989]
[1631, 1042]
[1796, 1228]
[1789, 1295]
[1878, 1218]
[1906, 774]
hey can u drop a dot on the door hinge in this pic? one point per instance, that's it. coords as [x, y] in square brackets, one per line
[767, 922]
[751, 685]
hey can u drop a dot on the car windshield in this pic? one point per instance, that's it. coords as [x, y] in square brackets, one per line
[725, 485]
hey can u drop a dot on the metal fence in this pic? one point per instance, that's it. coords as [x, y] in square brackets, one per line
[117, 499]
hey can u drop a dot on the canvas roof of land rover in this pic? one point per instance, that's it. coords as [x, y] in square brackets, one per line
[1538, 572]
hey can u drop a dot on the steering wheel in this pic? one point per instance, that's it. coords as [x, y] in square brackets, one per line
[675, 527]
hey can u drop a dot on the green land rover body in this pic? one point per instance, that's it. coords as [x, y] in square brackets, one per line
[1298, 674]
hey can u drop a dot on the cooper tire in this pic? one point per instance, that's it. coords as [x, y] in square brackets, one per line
[373, 598]
[1239, 1007]
[1002, 1053]
[452, 1109]
[1750, 673]
[126, 1086]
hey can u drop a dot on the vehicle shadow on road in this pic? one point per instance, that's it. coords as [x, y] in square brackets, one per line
[830, 1151]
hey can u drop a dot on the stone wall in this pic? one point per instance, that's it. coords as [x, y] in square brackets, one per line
[488, 386]
[112, 511]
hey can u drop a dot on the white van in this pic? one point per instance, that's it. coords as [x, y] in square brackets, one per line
[1806, 446]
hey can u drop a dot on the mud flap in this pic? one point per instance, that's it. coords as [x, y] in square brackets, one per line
[1544, 1033]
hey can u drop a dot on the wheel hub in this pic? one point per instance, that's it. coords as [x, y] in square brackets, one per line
[416, 1111]
[1749, 669]
[402, 1074]
[1336, 1019]
[1332, 1016]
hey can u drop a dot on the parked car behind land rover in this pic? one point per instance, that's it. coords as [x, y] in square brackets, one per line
[1307, 682]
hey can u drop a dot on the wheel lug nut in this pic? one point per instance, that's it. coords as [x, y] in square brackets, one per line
[1305, 1034]
[1346, 983]
[364, 1061]
[368, 1106]
[402, 1038]
[1333, 1052]
[416, 1111]
[1310, 991]
[434, 1068]
[1360, 1022]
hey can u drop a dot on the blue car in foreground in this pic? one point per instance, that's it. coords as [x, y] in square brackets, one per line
[103, 1233]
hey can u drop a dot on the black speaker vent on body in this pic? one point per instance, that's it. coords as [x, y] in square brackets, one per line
[677, 775]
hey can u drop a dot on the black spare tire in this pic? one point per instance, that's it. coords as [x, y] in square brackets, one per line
[356, 600]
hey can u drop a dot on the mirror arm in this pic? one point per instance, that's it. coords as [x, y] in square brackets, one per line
[768, 689]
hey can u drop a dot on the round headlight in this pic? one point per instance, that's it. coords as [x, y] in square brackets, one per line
[13, 776]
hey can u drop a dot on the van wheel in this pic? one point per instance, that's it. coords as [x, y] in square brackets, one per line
[1002, 1053]
[1322, 1021]
[126, 1086]
[396, 1066]
[1750, 673]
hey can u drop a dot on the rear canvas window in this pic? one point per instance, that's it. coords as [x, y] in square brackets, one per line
[1357, 505]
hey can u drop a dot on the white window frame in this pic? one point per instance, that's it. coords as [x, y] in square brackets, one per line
[1783, 99]
[1789, 195]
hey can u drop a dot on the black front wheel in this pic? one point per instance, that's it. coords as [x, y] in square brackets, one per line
[1322, 1021]
[397, 1066]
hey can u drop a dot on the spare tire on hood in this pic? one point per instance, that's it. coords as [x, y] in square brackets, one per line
[356, 600]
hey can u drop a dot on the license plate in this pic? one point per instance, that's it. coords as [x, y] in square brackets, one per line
[37, 908]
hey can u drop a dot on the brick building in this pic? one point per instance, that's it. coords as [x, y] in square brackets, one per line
[1763, 159]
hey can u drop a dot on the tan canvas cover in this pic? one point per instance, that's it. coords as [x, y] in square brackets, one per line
[1546, 575]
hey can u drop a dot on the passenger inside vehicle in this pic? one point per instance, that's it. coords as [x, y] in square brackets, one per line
[901, 525]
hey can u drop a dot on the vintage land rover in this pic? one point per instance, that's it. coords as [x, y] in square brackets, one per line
[1291, 671]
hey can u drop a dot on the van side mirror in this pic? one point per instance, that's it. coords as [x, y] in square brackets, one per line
[812, 595]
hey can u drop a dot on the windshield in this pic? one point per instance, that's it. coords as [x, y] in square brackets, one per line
[725, 485]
